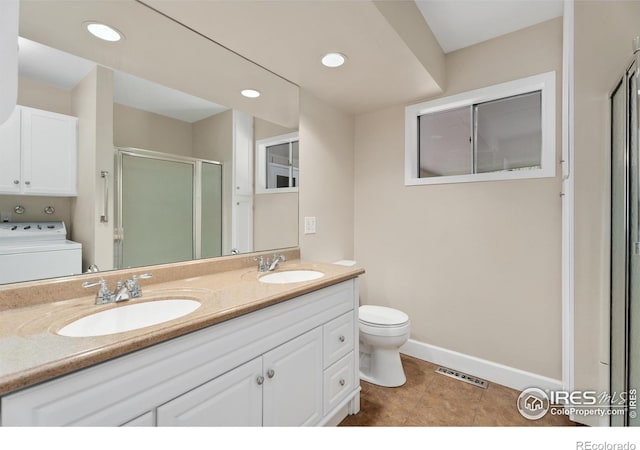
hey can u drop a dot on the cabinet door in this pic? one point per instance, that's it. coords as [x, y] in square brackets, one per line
[49, 153]
[293, 382]
[242, 219]
[232, 399]
[10, 181]
[242, 153]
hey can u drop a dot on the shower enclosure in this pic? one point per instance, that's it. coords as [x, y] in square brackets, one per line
[625, 245]
[168, 208]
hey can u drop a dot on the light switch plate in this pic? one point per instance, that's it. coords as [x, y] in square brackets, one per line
[309, 225]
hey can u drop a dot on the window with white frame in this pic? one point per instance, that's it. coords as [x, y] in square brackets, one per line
[502, 132]
[277, 164]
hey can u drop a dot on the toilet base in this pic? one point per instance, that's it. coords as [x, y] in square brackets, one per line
[385, 368]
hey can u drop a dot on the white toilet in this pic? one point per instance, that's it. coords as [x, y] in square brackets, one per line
[382, 332]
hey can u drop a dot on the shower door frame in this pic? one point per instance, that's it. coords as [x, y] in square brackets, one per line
[631, 169]
[118, 240]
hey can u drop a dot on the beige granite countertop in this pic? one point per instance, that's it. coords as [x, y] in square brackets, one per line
[32, 352]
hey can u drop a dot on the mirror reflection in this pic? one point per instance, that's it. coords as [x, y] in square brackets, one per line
[163, 175]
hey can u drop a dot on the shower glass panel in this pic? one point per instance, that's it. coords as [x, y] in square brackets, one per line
[619, 243]
[211, 206]
[625, 248]
[633, 353]
[157, 211]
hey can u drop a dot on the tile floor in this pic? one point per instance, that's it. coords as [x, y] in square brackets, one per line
[431, 399]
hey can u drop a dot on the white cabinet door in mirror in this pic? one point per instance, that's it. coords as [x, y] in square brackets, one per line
[39, 153]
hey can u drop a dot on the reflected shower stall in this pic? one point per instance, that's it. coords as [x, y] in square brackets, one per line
[625, 245]
[168, 208]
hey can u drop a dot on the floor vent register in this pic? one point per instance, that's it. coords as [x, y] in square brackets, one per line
[462, 377]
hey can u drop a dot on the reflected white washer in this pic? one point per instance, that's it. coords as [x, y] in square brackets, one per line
[36, 250]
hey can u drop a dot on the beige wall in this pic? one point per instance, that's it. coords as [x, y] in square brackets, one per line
[92, 103]
[213, 140]
[42, 96]
[603, 47]
[141, 129]
[476, 266]
[326, 187]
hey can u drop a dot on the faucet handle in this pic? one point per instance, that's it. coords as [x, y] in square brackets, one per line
[104, 295]
[133, 286]
[262, 265]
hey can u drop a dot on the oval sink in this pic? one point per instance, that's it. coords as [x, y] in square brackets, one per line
[291, 276]
[129, 317]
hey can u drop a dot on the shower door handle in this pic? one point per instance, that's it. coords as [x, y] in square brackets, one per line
[104, 218]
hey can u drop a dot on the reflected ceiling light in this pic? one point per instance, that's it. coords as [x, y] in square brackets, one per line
[104, 32]
[333, 59]
[250, 93]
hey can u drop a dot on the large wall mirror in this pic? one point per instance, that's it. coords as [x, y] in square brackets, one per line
[166, 141]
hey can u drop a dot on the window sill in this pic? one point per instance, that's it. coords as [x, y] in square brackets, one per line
[479, 177]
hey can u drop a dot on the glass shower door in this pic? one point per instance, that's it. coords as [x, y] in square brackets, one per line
[625, 250]
[619, 243]
[633, 314]
[157, 211]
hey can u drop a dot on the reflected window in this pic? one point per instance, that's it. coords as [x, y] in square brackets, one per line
[501, 132]
[277, 164]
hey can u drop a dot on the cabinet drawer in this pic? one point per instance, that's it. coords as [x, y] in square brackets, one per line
[338, 338]
[338, 382]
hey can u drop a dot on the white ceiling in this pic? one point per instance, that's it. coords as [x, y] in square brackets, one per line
[461, 23]
[64, 71]
[289, 37]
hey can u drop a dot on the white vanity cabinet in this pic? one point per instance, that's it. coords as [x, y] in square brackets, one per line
[288, 364]
[38, 150]
[281, 388]
[232, 399]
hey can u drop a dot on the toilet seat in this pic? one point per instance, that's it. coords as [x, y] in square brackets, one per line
[389, 331]
[381, 316]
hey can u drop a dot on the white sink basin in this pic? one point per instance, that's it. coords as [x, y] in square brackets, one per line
[291, 276]
[129, 317]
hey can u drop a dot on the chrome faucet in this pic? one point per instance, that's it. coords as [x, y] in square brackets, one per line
[276, 260]
[124, 291]
[264, 265]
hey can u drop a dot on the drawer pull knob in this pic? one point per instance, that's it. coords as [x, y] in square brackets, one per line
[271, 373]
[260, 379]
[27, 183]
[341, 338]
[342, 382]
[16, 181]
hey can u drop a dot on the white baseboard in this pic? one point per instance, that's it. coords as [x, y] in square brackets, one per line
[497, 373]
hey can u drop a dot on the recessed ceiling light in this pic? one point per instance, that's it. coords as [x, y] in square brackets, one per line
[250, 93]
[104, 32]
[333, 59]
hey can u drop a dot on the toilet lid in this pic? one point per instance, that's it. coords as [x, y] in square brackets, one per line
[381, 316]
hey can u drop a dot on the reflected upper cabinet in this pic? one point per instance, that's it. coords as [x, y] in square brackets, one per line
[38, 150]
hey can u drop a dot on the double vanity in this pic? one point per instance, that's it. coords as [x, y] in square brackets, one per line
[208, 343]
